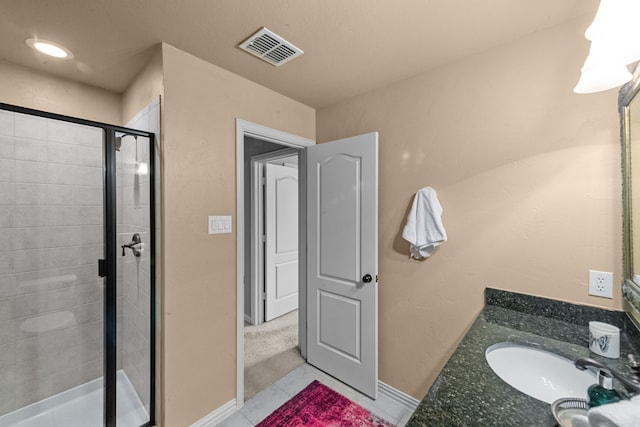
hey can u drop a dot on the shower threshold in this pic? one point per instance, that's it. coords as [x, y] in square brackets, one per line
[81, 406]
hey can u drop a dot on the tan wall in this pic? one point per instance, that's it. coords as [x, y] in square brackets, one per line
[146, 87]
[201, 104]
[528, 174]
[32, 89]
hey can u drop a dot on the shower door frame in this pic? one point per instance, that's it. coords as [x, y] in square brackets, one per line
[108, 265]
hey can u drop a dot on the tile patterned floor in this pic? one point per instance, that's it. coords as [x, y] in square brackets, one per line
[264, 403]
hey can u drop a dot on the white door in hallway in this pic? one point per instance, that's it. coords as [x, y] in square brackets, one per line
[342, 265]
[281, 233]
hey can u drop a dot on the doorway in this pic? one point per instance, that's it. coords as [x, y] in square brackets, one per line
[261, 148]
[272, 278]
[338, 289]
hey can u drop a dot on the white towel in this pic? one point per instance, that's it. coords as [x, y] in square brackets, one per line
[625, 413]
[424, 228]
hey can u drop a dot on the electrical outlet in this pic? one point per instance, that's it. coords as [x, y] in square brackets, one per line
[601, 283]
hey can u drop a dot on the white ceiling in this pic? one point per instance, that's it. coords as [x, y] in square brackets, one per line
[351, 46]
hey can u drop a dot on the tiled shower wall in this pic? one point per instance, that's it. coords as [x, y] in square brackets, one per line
[50, 241]
[133, 217]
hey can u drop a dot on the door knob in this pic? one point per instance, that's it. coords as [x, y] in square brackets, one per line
[367, 278]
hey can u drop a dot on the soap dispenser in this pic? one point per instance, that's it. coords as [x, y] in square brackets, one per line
[602, 392]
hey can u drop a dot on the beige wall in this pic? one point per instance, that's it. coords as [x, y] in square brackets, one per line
[146, 87]
[201, 104]
[528, 174]
[32, 89]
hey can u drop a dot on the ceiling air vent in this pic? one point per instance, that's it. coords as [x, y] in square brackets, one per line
[270, 47]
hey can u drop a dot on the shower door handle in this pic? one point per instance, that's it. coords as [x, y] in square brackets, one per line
[102, 268]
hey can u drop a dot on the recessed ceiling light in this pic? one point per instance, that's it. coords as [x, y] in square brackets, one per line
[49, 48]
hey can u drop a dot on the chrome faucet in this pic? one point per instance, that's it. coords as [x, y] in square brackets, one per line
[631, 385]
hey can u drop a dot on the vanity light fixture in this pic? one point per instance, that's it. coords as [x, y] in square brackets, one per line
[598, 79]
[49, 48]
[601, 71]
[615, 43]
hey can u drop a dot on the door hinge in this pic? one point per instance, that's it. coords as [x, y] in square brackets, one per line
[102, 267]
[264, 238]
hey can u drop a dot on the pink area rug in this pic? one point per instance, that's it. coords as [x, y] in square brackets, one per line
[319, 406]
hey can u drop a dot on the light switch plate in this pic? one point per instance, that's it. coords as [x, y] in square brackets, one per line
[220, 224]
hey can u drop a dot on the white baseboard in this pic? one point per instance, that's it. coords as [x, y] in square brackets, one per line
[217, 416]
[247, 318]
[398, 396]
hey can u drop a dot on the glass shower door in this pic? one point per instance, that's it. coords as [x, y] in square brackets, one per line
[76, 272]
[51, 298]
[133, 211]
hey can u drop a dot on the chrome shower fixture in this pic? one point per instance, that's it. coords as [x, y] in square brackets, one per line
[135, 245]
[119, 140]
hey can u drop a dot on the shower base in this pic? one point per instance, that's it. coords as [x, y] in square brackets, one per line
[80, 407]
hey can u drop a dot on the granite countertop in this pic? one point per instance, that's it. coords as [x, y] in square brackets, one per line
[468, 392]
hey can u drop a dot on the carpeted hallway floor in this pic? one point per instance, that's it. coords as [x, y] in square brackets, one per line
[270, 352]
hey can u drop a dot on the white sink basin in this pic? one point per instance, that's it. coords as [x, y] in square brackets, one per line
[538, 373]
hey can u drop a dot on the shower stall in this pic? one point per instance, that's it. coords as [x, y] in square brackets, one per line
[77, 272]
